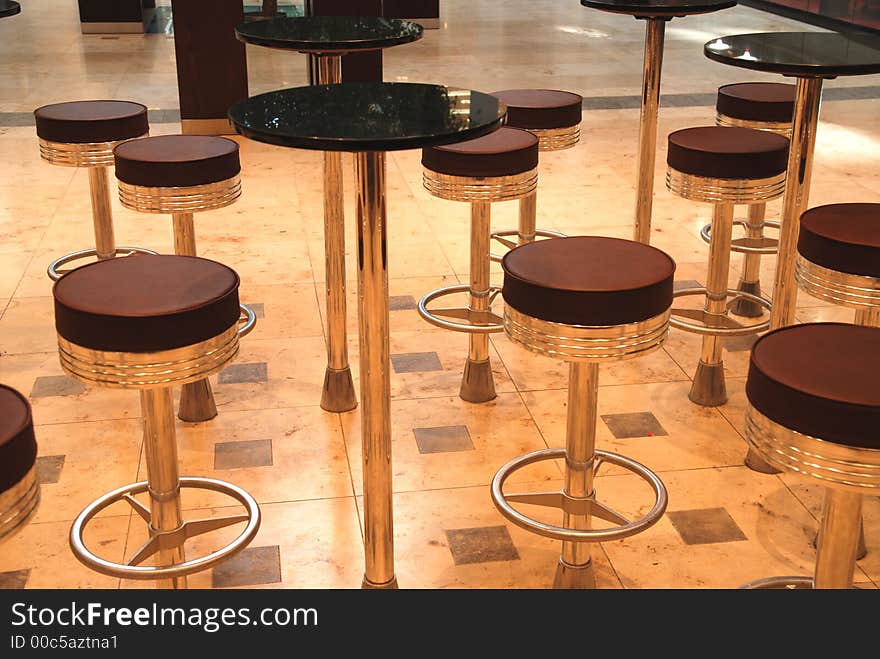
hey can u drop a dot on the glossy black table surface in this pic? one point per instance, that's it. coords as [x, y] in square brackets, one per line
[799, 54]
[659, 8]
[372, 116]
[9, 8]
[313, 34]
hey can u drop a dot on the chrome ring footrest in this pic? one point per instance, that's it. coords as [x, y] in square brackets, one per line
[471, 321]
[714, 324]
[54, 269]
[576, 506]
[761, 245]
[780, 583]
[247, 320]
[500, 236]
[170, 539]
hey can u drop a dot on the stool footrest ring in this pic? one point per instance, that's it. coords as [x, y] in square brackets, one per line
[761, 245]
[54, 269]
[577, 506]
[780, 583]
[247, 320]
[501, 237]
[168, 539]
[469, 320]
[715, 324]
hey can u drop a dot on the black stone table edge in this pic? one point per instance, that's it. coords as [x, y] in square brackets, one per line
[670, 13]
[10, 8]
[347, 46]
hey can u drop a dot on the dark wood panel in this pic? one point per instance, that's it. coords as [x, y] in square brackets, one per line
[411, 8]
[113, 11]
[364, 67]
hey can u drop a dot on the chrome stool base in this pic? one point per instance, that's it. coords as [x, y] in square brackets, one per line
[756, 462]
[470, 321]
[196, 402]
[338, 394]
[369, 585]
[574, 577]
[477, 383]
[54, 270]
[780, 583]
[862, 550]
[744, 306]
[708, 388]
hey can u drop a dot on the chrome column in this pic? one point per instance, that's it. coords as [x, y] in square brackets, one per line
[102, 213]
[839, 533]
[750, 280]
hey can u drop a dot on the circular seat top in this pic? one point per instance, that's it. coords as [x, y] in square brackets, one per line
[18, 447]
[757, 101]
[588, 280]
[505, 152]
[842, 237]
[728, 152]
[329, 34]
[172, 161]
[541, 108]
[146, 303]
[819, 379]
[91, 122]
[659, 8]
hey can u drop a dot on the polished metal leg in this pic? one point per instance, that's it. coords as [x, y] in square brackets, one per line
[338, 394]
[160, 454]
[575, 569]
[102, 213]
[838, 539]
[196, 398]
[528, 218]
[477, 384]
[708, 387]
[797, 192]
[375, 370]
[655, 33]
[750, 281]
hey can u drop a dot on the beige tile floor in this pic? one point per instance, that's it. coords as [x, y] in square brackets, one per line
[725, 525]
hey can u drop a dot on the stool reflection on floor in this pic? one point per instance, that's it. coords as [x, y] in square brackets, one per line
[149, 323]
[19, 485]
[586, 300]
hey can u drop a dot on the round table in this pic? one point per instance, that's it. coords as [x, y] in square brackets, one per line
[369, 119]
[9, 8]
[655, 13]
[810, 57]
[327, 39]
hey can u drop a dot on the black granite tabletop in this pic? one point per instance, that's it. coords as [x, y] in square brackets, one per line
[9, 8]
[659, 8]
[370, 116]
[315, 34]
[800, 54]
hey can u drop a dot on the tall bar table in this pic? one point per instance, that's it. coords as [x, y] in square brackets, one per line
[369, 119]
[655, 13]
[811, 57]
[9, 8]
[327, 39]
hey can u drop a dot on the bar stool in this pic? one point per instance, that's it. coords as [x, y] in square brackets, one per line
[763, 106]
[19, 487]
[819, 417]
[501, 166]
[554, 117]
[149, 323]
[83, 134]
[723, 166]
[181, 175]
[586, 300]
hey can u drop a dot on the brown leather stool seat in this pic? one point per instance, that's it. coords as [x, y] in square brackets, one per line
[144, 304]
[819, 379]
[89, 122]
[842, 237]
[541, 108]
[18, 446]
[170, 161]
[505, 152]
[588, 280]
[757, 101]
[728, 152]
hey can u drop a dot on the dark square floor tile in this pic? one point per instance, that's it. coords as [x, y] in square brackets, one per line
[401, 302]
[706, 526]
[239, 455]
[685, 283]
[740, 343]
[49, 468]
[56, 385]
[416, 362]
[633, 424]
[481, 545]
[243, 373]
[15, 580]
[443, 439]
[254, 566]
[258, 308]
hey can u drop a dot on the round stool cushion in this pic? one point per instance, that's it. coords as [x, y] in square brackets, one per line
[728, 152]
[18, 447]
[177, 161]
[541, 108]
[146, 303]
[88, 122]
[819, 379]
[842, 237]
[757, 101]
[505, 152]
[588, 280]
